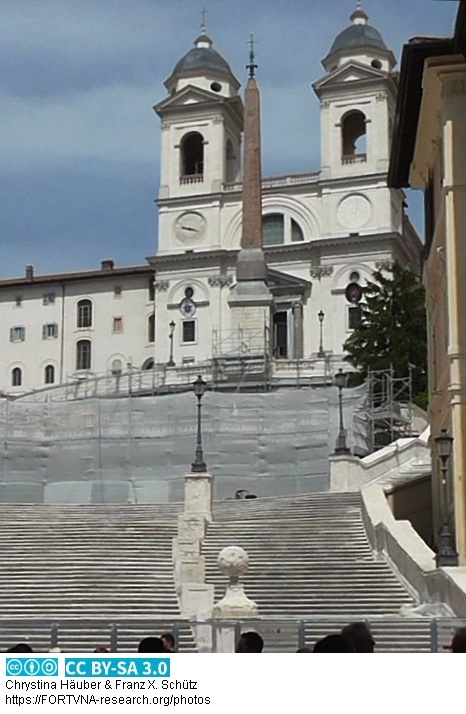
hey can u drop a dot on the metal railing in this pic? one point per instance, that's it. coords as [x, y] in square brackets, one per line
[280, 634]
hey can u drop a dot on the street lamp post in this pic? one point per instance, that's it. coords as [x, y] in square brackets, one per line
[446, 553]
[340, 444]
[199, 465]
[172, 326]
[321, 316]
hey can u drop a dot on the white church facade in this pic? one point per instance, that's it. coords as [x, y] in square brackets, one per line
[324, 233]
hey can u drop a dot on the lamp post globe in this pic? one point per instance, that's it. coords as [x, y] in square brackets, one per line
[444, 443]
[199, 387]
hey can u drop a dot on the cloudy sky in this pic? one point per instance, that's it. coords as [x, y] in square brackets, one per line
[79, 142]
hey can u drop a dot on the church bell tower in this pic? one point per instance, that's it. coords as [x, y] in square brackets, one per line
[202, 124]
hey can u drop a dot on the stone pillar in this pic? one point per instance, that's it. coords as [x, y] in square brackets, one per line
[235, 605]
[298, 332]
[198, 493]
[196, 598]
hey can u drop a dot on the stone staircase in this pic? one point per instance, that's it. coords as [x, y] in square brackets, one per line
[310, 561]
[85, 567]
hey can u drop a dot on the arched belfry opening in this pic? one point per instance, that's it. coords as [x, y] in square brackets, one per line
[353, 137]
[192, 156]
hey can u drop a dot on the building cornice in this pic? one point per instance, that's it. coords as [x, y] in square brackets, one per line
[277, 252]
[408, 107]
[77, 276]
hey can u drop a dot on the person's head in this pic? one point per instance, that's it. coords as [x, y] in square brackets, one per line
[21, 647]
[304, 649]
[360, 636]
[101, 649]
[151, 644]
[169, 641]
[458, 643]
[250, 642]
[333, 643]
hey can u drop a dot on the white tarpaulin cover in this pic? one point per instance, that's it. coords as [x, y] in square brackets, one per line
[137, 449]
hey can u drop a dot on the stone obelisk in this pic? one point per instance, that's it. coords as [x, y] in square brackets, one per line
[250, 300]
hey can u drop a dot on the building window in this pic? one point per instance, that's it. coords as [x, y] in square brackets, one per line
[117, 324]
[83, 354]
[117, 367]
[353, 138]
[17, 334]
[151, 328]
[49, 330]
[296, 231]
[18, 301]
[49, 374]
[189, 331]
[48, 299]
[84, 317]
[354, 316]
[192, 157]
[273, 227]
[355, 277]
[152, 289]
[117, 291]
[16, 377]
[148, 364]
[231, 163]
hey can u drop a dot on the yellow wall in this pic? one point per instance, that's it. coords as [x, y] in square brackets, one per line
[440, 162]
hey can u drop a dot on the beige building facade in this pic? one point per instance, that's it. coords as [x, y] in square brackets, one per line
[429, 153]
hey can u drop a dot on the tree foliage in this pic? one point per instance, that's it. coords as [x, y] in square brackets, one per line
[393, 328]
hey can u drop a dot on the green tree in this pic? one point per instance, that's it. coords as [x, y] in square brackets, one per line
[393, 329]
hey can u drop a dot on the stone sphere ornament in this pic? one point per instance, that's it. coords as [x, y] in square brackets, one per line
[233, 561]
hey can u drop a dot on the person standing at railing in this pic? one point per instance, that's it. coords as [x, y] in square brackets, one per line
[458, 643]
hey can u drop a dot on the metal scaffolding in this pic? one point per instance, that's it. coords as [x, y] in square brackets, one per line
[241, 360]
[386, 414]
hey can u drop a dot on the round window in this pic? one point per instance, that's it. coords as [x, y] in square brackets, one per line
[376, 64]
[354, 277]
[189, 292]
[216, 87]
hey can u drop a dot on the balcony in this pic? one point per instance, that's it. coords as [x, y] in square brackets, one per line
[354, 158]
[192, 178]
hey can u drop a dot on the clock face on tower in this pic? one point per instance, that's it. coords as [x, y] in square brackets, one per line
[190, 226]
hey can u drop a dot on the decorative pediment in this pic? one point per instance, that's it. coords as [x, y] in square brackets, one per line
[281, 283]
[351, 71]
[189, 95]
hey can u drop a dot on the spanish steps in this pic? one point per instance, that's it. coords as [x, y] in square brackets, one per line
[310, 561]
[86, 567]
